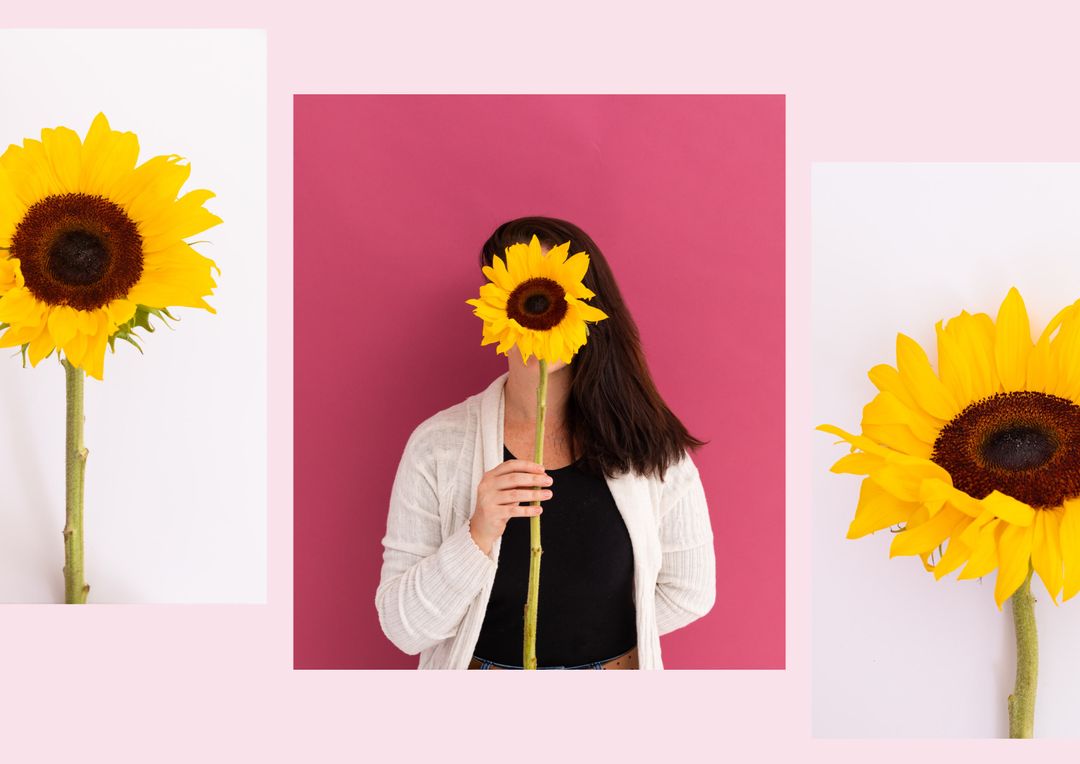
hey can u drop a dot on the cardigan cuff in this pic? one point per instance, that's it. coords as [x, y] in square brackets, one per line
[464, 566]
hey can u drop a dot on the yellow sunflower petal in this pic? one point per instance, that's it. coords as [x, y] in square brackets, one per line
[579, 291]
[899, 437]
[857, 464]
[152, 186]
[886, 408]
[1070, 547]
[934, 495]
[576, 331]
[955, 373]
[94, 359]
[890, 456]
[1012, 342]
[974, 346]
[963, 502]
[108, 157]
[1014, 561]
[1009, 509]
[556, 256]
[88, 322]
[16, 336]
[914, 367]
[75, 349]
[1043, 363]
[984, 553]
[1039, 368]
[887, 380]
[177, 220]
[12, 210]
[498, 274]
[554, 345]
[905, 480]
[1065, 359]
[587, 312]
[566, 349]
[10, 275]
[1046, 549]
[18, 307]
[577, 266]
[40, 346]
[487, 312]
[28, 173]
[63, 148]
[506, 340]
[518, 335]
[926, 536]
[539, 345]
[121, 311]
[179, 283]
[494, 295]
[956, 554]
[63, 324]
[877, 510]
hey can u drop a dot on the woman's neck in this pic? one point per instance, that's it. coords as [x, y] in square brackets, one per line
[520, 395]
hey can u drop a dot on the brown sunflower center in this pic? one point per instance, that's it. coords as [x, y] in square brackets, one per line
[1019, 448]
[1023, 444]
[538, 304]
[77, 258]
[78, 250]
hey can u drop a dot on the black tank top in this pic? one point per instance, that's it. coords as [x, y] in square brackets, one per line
[586, 611]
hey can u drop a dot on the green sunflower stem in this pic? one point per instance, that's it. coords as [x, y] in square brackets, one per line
[535, 551]
[75, 586]
[1022, 700]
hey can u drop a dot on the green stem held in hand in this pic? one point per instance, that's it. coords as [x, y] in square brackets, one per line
[532, 602]
[75, 586]
[1022, 701]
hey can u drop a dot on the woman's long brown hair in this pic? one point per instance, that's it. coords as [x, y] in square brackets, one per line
[618, 421]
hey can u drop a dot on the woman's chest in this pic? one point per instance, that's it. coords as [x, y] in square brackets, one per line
[520, 440]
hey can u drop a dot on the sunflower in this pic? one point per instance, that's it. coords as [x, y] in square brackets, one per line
[536, 301]
[92, 245]
[978, 462]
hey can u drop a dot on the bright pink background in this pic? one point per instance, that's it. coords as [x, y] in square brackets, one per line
[394, 196]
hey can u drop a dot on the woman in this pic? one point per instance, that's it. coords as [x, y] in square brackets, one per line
[628, 552]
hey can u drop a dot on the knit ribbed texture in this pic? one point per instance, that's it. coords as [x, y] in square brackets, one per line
[435, 581]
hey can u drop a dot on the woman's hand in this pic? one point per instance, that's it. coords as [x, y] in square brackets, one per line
[500, 495]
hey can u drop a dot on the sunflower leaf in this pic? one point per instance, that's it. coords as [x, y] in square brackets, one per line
[141, 319]
[127, 336]
[130, 339]
[164, 315]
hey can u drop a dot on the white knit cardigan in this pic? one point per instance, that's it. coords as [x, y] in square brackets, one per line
[435, 582]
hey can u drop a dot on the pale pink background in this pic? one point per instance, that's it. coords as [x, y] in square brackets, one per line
[394, 197]
[964, 81]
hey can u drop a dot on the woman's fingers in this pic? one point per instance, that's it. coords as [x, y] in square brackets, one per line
[522, 496]
[517, 465]
[505, 492]
[521, 480]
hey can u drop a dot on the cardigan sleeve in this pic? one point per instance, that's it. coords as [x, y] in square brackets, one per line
[427, 581]
[686, 583]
